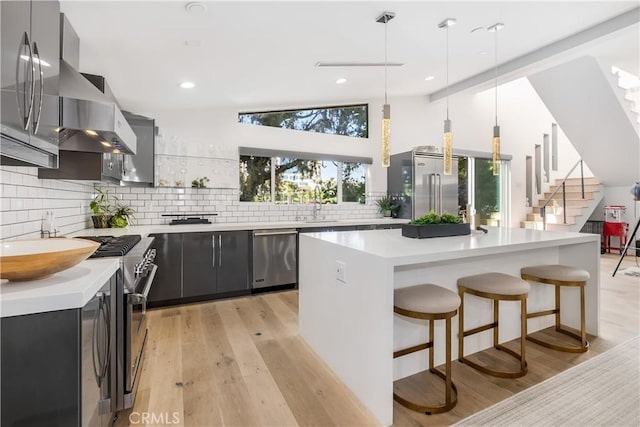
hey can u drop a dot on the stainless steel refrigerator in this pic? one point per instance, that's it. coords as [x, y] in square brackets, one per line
[417, 182]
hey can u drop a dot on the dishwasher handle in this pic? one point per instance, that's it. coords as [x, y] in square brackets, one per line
[274, 233]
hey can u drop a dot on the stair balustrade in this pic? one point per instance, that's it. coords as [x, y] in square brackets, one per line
[543, 209]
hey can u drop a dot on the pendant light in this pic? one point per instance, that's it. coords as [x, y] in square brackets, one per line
[496, 129]
[448, 136]
[386, 108]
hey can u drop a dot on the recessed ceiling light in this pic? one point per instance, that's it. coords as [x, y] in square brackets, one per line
[482, 52]
[429, 78]
[105, 143]
[187, 85]
[341, 81]
[196, 8]
[193, 43]
[91, 132]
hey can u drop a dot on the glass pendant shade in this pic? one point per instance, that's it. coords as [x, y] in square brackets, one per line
[496, 150]
[386, 134]
[447, 148]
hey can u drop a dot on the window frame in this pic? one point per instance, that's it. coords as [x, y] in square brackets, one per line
[297, 110]
[338, 159]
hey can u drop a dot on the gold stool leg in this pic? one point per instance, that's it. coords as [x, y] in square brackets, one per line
[448, 363]
[523, 334]
[461, 327]
[582, 338]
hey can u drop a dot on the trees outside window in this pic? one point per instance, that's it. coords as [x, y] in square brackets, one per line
[300, 181]
[350, 120]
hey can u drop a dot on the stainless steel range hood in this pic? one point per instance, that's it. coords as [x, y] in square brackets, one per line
[90, 117]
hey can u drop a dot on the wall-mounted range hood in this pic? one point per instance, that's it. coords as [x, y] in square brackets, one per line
[90, 117]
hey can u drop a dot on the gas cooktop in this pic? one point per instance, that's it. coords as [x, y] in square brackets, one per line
[113, 246]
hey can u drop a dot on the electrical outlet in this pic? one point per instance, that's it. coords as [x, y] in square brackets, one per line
[341, 271]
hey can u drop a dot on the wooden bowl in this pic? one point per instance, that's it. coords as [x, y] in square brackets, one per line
[36, 259]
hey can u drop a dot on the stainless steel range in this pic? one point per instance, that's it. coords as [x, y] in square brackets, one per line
[129, 319]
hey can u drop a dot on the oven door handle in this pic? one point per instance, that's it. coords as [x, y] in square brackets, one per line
[139, 298]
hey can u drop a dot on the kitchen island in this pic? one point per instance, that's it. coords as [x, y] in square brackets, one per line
[346, 297]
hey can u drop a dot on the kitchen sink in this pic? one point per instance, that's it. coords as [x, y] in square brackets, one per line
[315, 221]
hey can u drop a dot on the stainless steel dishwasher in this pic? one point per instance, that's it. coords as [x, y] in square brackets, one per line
[275, 258]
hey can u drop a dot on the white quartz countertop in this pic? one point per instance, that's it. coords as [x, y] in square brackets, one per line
[391, 245]
[145, 230]
[68, 289]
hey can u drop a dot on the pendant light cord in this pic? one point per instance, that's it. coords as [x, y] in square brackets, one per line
[447, 72]
[496, 75]
[386, 20]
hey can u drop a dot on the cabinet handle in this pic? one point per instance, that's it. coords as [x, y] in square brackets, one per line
[213, 253]
[36, 121]
[26, 114]
[95, 351]
[220, 250]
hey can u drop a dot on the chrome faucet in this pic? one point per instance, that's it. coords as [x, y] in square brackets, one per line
[317, 206]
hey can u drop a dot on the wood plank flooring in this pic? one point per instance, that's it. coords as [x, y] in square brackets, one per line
[240, 362]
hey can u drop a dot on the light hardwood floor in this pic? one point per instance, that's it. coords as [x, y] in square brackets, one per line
[240, 362]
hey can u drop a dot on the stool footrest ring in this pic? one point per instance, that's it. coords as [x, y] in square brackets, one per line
[429, 410]
[493, 372]
[568, 349]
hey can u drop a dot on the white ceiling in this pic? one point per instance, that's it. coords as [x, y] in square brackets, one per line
[258, 54]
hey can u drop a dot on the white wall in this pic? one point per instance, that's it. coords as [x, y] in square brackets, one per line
[216, 132]
[25, 200]
[523, 119]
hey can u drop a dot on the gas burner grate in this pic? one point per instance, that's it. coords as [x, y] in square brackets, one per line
[113, 246]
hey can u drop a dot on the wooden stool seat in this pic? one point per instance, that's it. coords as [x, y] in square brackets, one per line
[497, 287]
[560, 275]
[429, 302]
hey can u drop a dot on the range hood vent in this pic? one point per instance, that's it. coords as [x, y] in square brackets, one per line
[90, 117]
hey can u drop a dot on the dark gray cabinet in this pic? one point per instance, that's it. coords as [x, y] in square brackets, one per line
[194, 266]
[233, 261]
[29, 94]
[167, 284]
[48, 364]
[199, 264]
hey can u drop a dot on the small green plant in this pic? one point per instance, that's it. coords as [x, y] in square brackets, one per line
[433, 218]
[200, 182]
[386, 205]
[122, 214]
[100, 205]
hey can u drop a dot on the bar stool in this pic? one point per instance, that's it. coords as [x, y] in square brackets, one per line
[432, 303]
[497, 287]
[560, 275]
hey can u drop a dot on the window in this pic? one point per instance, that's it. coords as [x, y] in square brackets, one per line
[349, 120]
[353, 181]
[255, 179]
[298, 178]
[485, 193]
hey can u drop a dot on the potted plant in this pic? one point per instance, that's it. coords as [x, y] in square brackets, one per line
[200, 182]
[101, 208]
[122, 214]
[386, 205]
[434, 225]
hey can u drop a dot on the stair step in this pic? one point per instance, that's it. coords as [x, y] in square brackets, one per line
[558, 227]
[537, 225]
[577, 187]
[552, 219]
[587, 180]
[550, 210]
[570, 203]
[570, 195]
